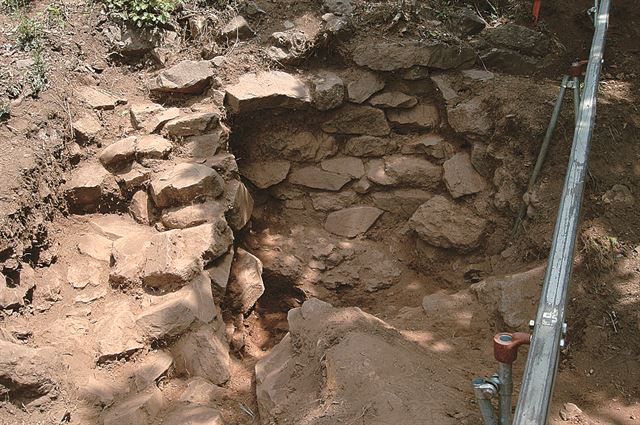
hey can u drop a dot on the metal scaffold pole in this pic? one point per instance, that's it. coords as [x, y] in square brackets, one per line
[548, 335]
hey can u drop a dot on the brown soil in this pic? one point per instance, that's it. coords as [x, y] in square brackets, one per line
[598, 370]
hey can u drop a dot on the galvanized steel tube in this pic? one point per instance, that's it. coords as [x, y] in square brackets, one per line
[542, 362]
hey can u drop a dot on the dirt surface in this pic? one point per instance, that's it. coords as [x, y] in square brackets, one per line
[404, 210]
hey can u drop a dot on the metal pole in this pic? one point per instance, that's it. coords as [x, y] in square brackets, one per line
[576, 97]
[506, 389]
[484, 392]
[542, 362]
[544, 148]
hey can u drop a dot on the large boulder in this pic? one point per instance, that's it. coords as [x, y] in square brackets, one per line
[521, 39]
[353, 119]
[354, 364]
[185, 183]
[396, 56]
[267, 90]
[169, 259]
[185, 77]
[513, 297]
[170, 315]
[204, 352]
[117, 334]
[26, 373]
[445, 224]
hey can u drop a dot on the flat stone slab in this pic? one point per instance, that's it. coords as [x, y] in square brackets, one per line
[358, 119]
[265, 174]
[369, 146]
[99, 99]
[184, 183]
[420, 116]
[362, 85]
[267, 90]
[137, 409]
[83, 191]
[413, 171]
[349, 166]
[460, 177]
[393, 99]
[117, 333]
[117, 153]
[204, 352]
[193, 215]
[316, 178]
[193, 415]
[353, 221]
[246, 285]
[191, 124]
[188, 76]
[95, 246]
[396, 56]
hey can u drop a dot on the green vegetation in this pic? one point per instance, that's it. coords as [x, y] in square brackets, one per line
[5, 111]
[55, 16]
[36, 76]
[29, 34]
[13, 5]
[142, 13]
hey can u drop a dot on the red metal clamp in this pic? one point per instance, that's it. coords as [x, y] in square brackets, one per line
[505, 345]
[536, 11]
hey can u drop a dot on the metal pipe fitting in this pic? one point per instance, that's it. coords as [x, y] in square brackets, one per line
[506, 389]
[485, 391]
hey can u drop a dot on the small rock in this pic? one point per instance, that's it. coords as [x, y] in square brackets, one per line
[141, 209]
[362, 186]
[137, 409]
[86, 128]
[152, 147]
[333, 201]
[478, 74]
[618, 196]
[83, 191]
[570, 411]
[460, 177]
[413, 171]
[98, 99]
[153, 367]
[114, 227]
[188, 76]
[265, 174]
[245, 286]
[204, 145]
[416, 73]
[134, 177]
[14, 297]
[203, 352]
[352, 119]
[225, 164]
[432, 145]
[119, 152]
[327, 91]
[338, 7]
[466, 22]
[377, 173]
[393, 99]
[193, 415]
[267, 90]
[95, 246]
[318, 179]
[142, 112]
[90, 296]
[353, 221]
[193, 215]
[444, 224]
[302, 146]
[446, 85]
[174, 313]
[237, 29]
[191, 124]
[184, 183]
[201, 391]
[349, 166]
[369, 146]
[470, 117]
[220, 271]
[157, 121]
[117, 333]
[336, 25]
[420, 116]
[240, 204]
[99, 392]
[403, 202]
[363, 85]
[82, 274]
